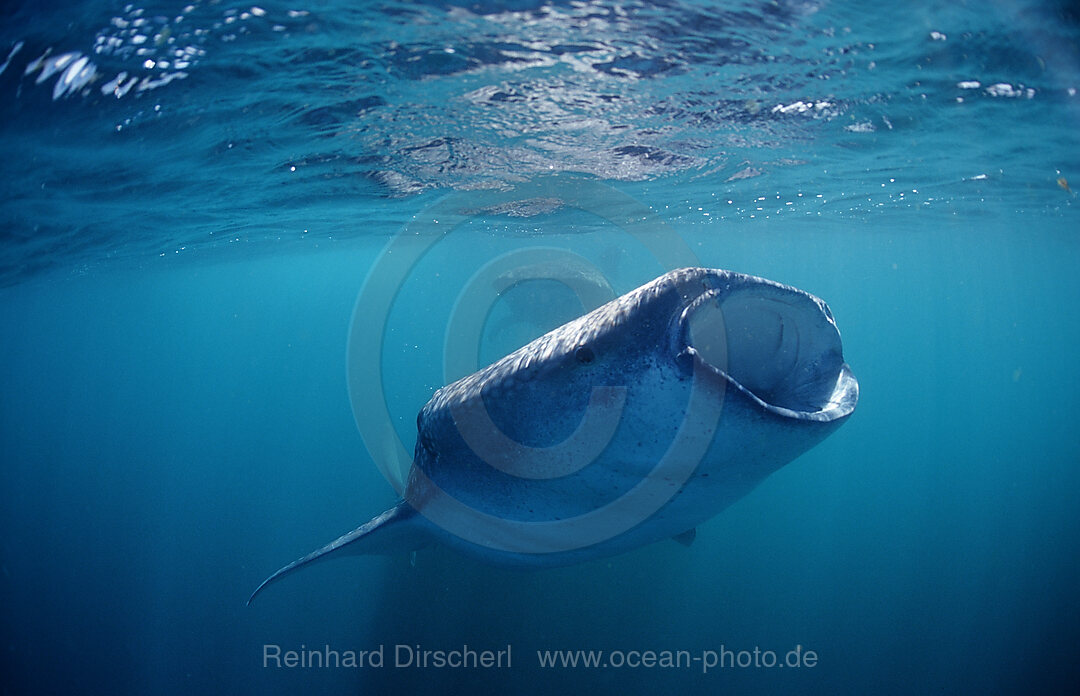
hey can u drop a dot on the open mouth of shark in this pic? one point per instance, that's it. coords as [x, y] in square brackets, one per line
[775, 344]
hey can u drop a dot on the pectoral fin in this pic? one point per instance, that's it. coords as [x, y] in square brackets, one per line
[687, 537]
[399, 529]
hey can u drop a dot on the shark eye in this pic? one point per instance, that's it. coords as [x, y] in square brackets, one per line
[584, 355]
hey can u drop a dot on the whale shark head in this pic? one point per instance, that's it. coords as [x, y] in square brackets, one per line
[775, 344]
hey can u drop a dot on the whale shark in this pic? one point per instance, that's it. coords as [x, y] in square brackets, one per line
[631, 424]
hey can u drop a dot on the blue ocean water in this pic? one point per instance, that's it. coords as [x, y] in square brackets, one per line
[195, 194]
